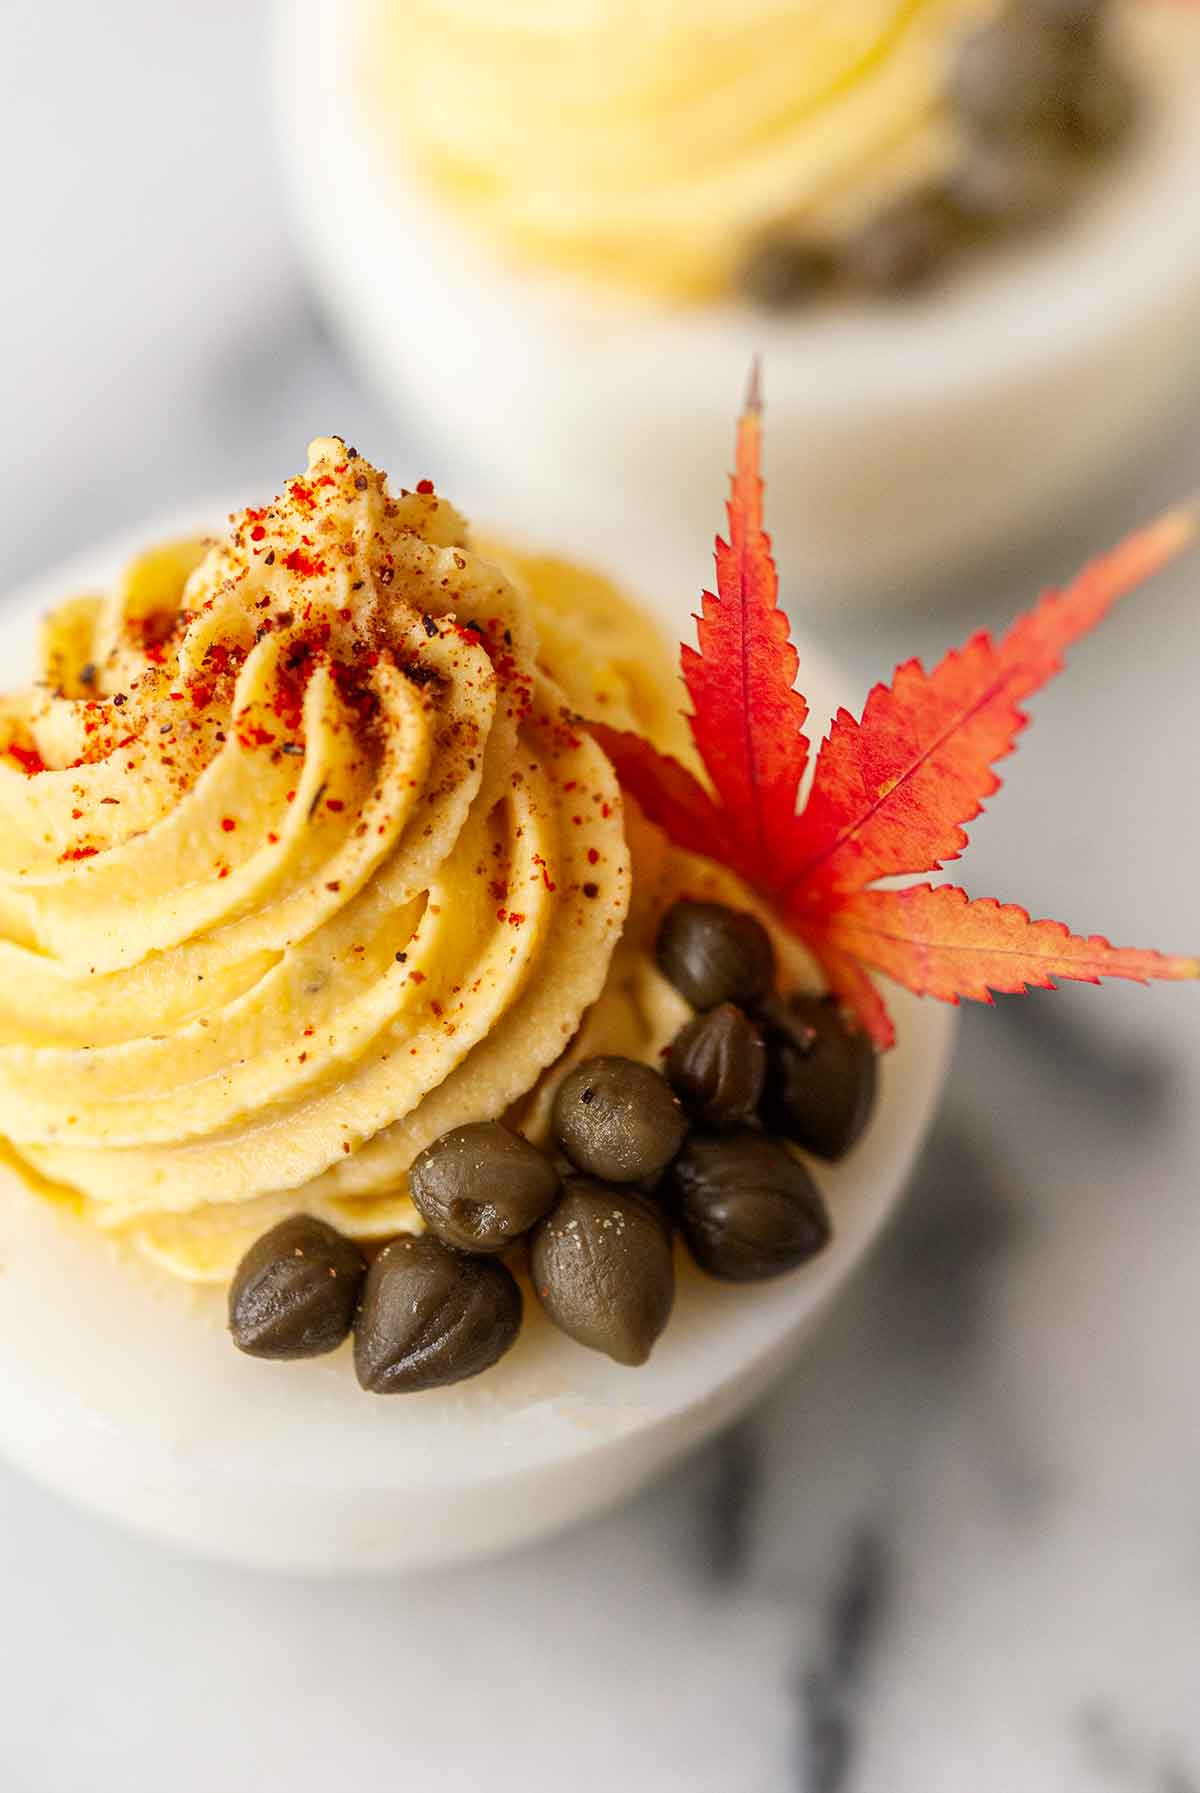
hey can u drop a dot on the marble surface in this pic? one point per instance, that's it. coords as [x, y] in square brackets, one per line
[960, 1547]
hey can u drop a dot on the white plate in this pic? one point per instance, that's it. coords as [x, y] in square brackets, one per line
[122, 1391]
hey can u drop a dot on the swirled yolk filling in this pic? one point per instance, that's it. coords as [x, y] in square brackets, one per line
[306, 858]
[650, 145]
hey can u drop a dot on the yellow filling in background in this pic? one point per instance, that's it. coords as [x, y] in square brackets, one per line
[649, 143]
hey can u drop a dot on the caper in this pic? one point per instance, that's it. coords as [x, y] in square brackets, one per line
[617, 1119]
[1077, 20]
[602, 1268]
[713, 954]
[821, 1076]
[295, 1291]
[1013, 74]
[782, 270]
[904, 244]
[716, 1067]
[1001, 185]
[431, 1317]
[481, 1185]
[1101, 108]
[746, 1208]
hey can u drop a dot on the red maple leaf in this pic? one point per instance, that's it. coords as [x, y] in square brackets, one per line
[891, 792]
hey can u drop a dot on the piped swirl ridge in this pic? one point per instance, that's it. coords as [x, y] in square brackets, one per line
[304, 860]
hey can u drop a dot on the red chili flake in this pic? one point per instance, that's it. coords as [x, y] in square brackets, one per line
[224, 872]
[253, 735]
[418, 977]
[28, 758]
[425, 487]
[502, 915]
[154, 629]
[308, 566]
[308, 1032]
[274, 839]
[515, 920]
[334, 803]
[223, 657]
[228, 824]
[334, 884]
[593, 856]
[541, 864]
[437, 1009]
[76, 814]
[79, 853]
[257, 533]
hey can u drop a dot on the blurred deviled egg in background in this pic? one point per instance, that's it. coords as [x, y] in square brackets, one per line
[961, 232]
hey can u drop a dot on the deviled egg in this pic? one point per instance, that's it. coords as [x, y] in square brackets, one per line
[566, 217]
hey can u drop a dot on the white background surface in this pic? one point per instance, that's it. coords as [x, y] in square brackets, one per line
[960, 1549]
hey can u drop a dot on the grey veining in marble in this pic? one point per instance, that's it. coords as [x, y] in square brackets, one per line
[958, 1551]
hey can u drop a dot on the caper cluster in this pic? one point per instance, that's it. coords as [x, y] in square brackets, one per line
[1035, 97]
[706, 1148]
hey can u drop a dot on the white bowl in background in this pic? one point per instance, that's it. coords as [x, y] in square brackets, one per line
[121, 1390]
[905, 441]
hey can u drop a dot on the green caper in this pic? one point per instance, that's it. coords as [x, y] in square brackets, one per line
[904, 245]
[479, 1186]
[714, 954]
[746, 1208]
[431, 1317]
[617, 1119]
[602, 1268]
[781, 271]
[716, 1067]
[295, 1291]
[821, 1076]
